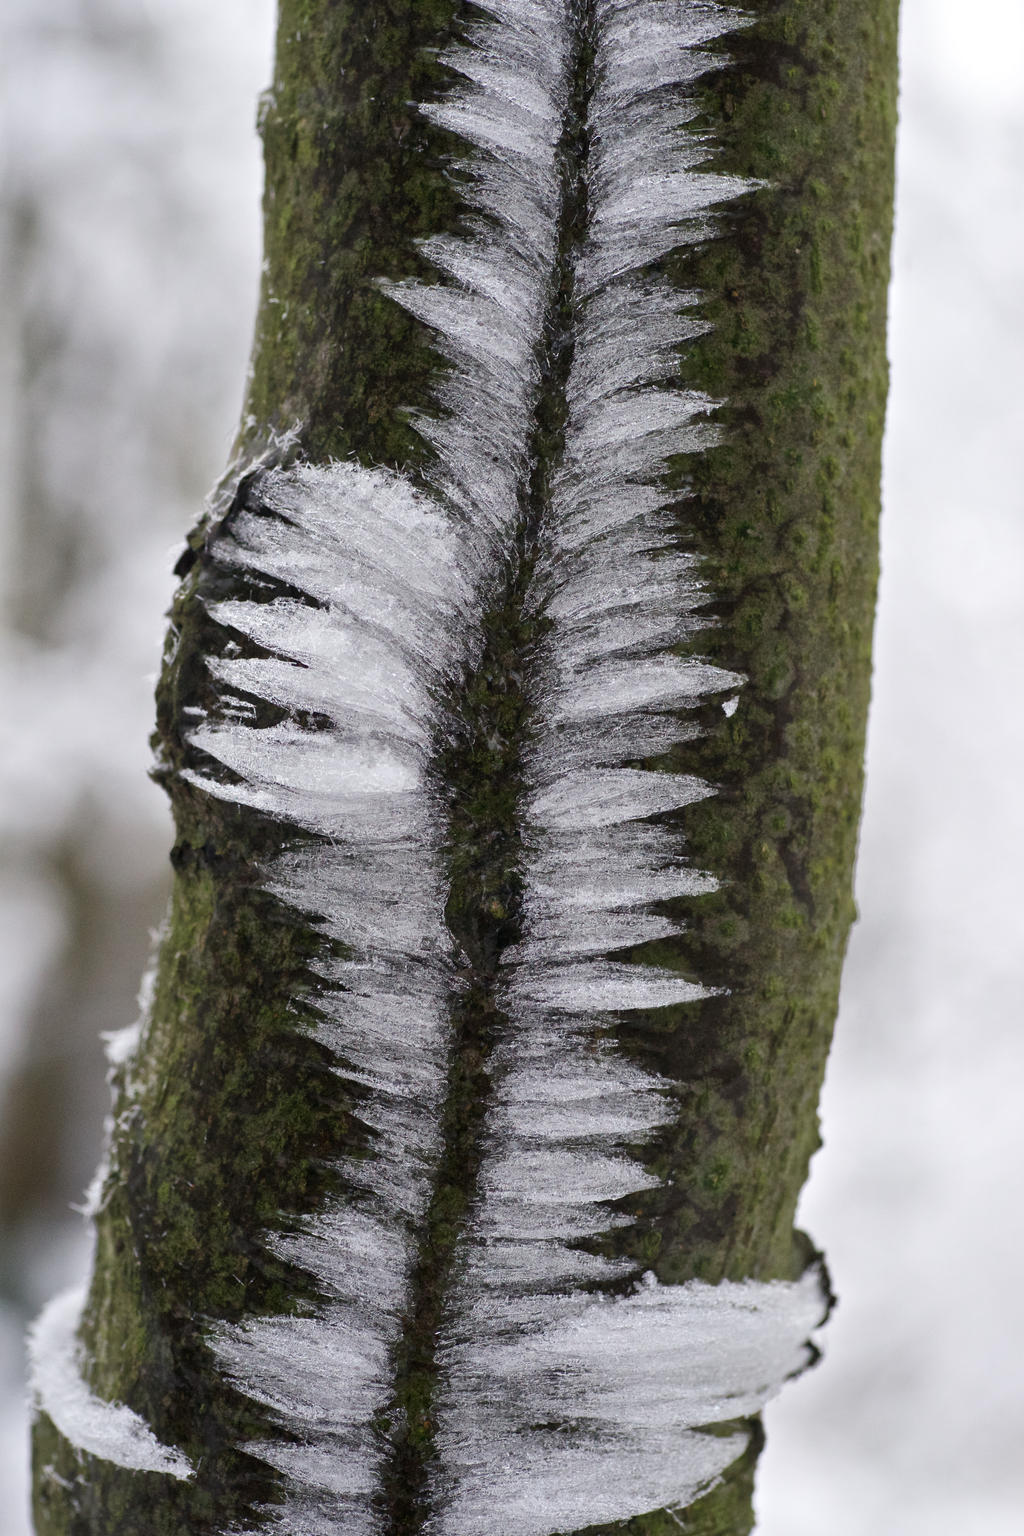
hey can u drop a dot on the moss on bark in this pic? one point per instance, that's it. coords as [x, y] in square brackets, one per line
[355, 175]
[784, 514]
[234, 1116]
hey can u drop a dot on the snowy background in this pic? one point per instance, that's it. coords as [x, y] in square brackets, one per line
[129, 228]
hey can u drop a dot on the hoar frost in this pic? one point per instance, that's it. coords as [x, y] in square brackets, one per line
[556, 1406]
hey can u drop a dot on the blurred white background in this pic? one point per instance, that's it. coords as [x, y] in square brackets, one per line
[914, 1424]
[130, 179]
[129, 230]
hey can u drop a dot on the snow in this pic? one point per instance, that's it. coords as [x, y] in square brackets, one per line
[374, 638]
[108, 1430]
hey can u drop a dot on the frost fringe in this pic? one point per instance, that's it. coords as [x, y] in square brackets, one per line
[387, 584]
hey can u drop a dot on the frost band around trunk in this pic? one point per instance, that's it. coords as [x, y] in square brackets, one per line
[494, 829]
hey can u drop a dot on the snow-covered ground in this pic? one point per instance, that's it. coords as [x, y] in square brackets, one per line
[128, 239]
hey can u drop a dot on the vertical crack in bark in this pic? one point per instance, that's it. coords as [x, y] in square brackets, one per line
[482, 775]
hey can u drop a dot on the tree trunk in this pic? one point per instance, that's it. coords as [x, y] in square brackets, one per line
[512, 715]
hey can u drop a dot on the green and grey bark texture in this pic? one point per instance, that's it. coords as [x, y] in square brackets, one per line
[231, 1122]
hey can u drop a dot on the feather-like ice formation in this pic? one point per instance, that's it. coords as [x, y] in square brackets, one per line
[648, 193]
[367, 645]
[556, 1405]
[369, 626]
[570, 1111]
[589, 1409]
[488, 315]
[107, 1430]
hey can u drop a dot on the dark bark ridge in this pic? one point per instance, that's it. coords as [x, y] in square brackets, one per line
[795, 288]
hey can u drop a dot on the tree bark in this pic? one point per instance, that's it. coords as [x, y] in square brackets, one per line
[233, 1119]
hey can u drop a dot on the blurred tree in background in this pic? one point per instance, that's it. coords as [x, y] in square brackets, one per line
[129, 205]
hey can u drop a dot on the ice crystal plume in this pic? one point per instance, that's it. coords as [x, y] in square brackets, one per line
[569, 1388]
[373, 631]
